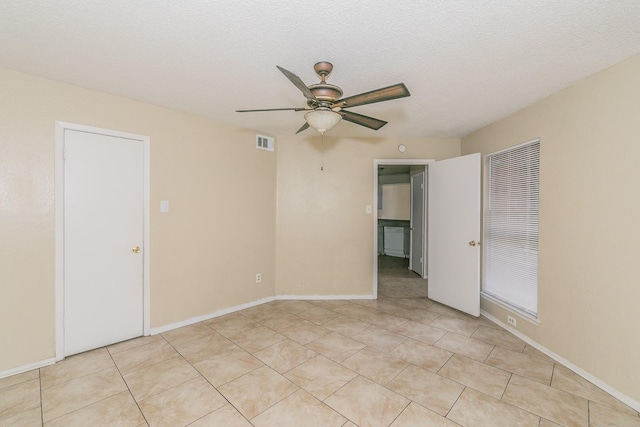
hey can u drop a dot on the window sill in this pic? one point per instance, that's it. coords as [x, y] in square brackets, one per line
[525, 316]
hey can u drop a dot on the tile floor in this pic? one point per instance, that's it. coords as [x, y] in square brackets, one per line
[401, 361]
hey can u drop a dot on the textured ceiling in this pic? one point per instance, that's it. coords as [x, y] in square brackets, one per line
[467, 63]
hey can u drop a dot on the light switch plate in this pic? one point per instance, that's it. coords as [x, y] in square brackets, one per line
[368, 209]
[164, 206]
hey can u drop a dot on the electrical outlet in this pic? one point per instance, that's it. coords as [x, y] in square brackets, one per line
[511, 320]
[258, 278]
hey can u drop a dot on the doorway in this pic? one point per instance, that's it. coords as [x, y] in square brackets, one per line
[102, 237]
[392, 183]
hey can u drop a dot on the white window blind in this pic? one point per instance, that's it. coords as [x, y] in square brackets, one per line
[511, 226]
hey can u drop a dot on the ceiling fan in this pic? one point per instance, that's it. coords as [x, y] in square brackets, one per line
[326, 107]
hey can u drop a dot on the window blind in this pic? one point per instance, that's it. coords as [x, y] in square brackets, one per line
[511, 226]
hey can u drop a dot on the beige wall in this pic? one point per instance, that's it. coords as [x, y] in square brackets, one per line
[324, 236]
[204, 253]
[589, 291]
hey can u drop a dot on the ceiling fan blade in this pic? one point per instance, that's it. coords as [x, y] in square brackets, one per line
[384, 94]
[297, 81]
[305, 126]
[273, 109]
[362, 120]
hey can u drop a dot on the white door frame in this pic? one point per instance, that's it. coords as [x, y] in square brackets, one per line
[59, 226]
[423, 272]
[376, 163]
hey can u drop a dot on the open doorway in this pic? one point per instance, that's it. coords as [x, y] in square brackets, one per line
[400, 247]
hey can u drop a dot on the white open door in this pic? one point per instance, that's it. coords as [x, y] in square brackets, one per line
[454, 232]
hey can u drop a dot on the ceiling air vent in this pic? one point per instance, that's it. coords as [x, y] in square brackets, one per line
[264, 142]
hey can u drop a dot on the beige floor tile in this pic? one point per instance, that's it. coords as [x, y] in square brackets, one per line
[329, 304]
[320, 376]
[475, 409]
[522, 364]
[355, 311]
[420, 332]
[119, 410]
[415, 415]
[385, 320]
[75, 394]
[420, 354]
[379, 338]
[234, 326]
[299, 409]
[555, 405]
[469, 347]
[258, 390]
[157, 378]
[419, 303]
[262, 312]
[499, 337]
[187, 333]
[547, 423]
[427, 389]
[605, 416]
[227, 366]
[183, 404]
[388, 306]
[75, 366]
[418, 315]
[366, 403]
[19, 378]
[566, 380]
[375, 365]
[29, 418]
[203, 348]
[133, 343]
[284, 355]
[18, 398]
[143, 356]
[454, 324]
[317, 315]
[436, 307]
[303, 332]
[293, 306]
[227, 416]
[344, 325]
[484, 378]
[532, 351]
[257, 339]
[335, 346]
[280, 321]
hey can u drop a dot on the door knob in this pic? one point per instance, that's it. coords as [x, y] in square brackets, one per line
[135, 249]
[473, 243]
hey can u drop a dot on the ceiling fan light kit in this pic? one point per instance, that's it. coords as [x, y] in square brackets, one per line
[322, 119]
[326, 105]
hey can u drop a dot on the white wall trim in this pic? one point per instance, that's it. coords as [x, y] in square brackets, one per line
[28, 367]
[584, 374]
[60, 127]
[218, 313]
[376, 163]
[323, 297]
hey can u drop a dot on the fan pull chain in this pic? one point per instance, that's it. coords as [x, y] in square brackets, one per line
[322, 153]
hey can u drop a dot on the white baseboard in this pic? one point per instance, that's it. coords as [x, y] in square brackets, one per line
[584, 374]
[322, 297]
[28, 367]
[191, 321]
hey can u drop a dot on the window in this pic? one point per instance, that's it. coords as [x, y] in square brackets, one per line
[511, 226]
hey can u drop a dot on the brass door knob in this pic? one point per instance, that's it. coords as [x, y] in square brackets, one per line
[472, 243]
[135, 249]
